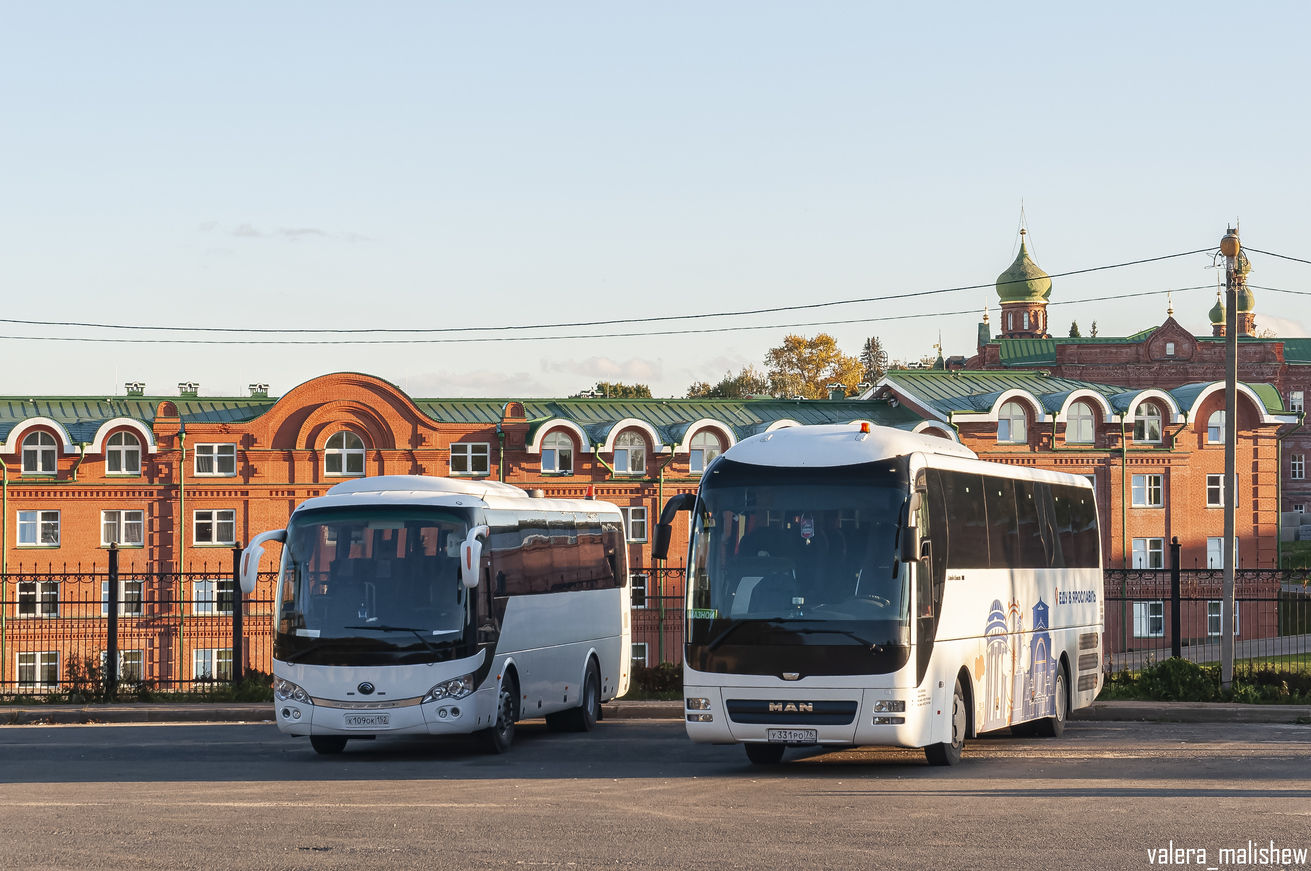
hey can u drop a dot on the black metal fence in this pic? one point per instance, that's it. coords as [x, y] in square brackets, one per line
[1153, 614]
[108, 631]
[657, 615]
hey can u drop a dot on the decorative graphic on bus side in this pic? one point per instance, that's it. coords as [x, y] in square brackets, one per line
[1019, 679]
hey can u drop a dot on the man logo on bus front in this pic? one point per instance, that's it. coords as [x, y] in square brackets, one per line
[366, 688]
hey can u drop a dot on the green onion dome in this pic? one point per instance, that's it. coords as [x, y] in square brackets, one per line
[1217, 311]
[1024, 281]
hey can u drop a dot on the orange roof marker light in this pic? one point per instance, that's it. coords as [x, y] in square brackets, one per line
[864, 426]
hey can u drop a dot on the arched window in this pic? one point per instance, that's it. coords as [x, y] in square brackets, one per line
[630, 454]
[344, 455]
[705, 447]
[1147, 423]
[1215, 428]
[1080, 424]
[558, 453]
[1010, 320]
[39, 454]
[1026, 320]
[1011, 424]
[123, 456]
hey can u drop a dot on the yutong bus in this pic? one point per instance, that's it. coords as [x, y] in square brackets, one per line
[393, 618]
[853, 585]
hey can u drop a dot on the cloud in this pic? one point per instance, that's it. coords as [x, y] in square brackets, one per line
[480, 383]
[246, 231]
[1284, 328]
[294, 233]
[291, 234]
[208, 226]
[603, 368]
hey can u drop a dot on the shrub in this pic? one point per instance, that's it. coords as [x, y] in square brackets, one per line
[667, 677]
[1179, 680]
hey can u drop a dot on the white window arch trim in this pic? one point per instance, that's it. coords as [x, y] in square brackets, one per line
[923, 427]
[1034, 408]
[653, 441]
[725, 433]
[582, 442]
[108, 428]
[1091, 398]
[14, 442]
[1214, 387]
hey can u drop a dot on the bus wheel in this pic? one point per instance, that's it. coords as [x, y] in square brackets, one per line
[949, 754]
[499, 737]
[765, 754]
[584, 717]
[1052, 727]
[327, 744]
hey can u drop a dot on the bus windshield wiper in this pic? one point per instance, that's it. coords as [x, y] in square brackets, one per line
[417, 632]
[719, 639]
[833, 632]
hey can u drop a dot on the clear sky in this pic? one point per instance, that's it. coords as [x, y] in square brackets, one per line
[324, 165]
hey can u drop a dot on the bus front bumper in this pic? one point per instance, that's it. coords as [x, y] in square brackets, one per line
[447, 717]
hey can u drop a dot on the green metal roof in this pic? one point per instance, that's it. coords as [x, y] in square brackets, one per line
[976, 391]
[83, 415]
[1297, 350]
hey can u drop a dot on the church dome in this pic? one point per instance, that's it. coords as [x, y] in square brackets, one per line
[1024, 281]
[1246, 300]
[1217, 311]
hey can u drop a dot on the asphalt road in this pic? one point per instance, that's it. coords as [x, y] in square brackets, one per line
[638, 794]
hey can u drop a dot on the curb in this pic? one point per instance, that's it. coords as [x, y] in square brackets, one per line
[1192, 712]
[67, 715]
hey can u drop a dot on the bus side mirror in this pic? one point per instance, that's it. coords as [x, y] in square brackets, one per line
[910, 532]
[471, 554]
[251, 556]
[665, 528]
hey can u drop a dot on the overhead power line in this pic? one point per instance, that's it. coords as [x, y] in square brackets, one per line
[581, 324]
[629, 335]
[1280, 256]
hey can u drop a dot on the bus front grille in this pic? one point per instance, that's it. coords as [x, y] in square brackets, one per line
[791, 712]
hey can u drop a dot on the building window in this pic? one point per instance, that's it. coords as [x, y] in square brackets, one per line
[638, 585]
[1169, 349]
[38, 529]
[638, 655]
[1295, 403]
[38, 599]
[221, 460]
[39, 669]
[130, 598]
[211, 597]
[1148, 491]
[705, 447]
[1011, 424]
[124, 528]
[1026, 320]
[1079, 424]
[131, 665]
[1299, 508]
[123, 456]
[1149, 553]
[1215, 428]
[558, 454]
[471, 458]
[1213, 618]
[630, 454]
[635, 521]
[213, 663]
[215, 527]
[1148, 619]
[1297, 466]
[1215, 491]
[344, 455]
[39, 452]
[1147, 423]
[1215, 558]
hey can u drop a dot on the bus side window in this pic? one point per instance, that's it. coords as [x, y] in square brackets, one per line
[1076, 519]
[940, 542]
[616, 554]
[1003, 534]
[1031, 551]
[1047, 525]
[967, 520]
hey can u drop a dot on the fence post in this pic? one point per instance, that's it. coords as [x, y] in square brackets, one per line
[238, 606]
[1176, 643]
[660, 615]
[111, 642]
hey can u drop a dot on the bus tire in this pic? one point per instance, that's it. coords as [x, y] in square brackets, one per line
[949, 753]
[584, 717]
[327, 745]
[765, 754]
[1027, 729]
[500, 736]
[1053, 727]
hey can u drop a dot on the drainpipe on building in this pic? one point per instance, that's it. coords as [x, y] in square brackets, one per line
[500, 435]
[182, 544]
[1279, 489]
[81, 455]
[1124, 538]
[596, 452]
[4, 570]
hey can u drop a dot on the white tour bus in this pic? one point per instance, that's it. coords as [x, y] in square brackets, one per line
[408, 604]
[857, 585]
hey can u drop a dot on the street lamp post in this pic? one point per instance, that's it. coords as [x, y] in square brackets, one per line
[1230, 248]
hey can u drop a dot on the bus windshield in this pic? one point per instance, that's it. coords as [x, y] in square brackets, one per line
[367, 586]
[795, 570]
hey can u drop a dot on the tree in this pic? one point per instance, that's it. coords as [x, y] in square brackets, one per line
[745, 384]
[1266, 333]
[805, 367]
[1074, 330]
[1094, 330]
[615, 390]
[874, 359]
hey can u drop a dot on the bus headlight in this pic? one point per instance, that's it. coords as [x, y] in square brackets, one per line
[285, 690]
[698, 704]
[456, 688]
[890, 706]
